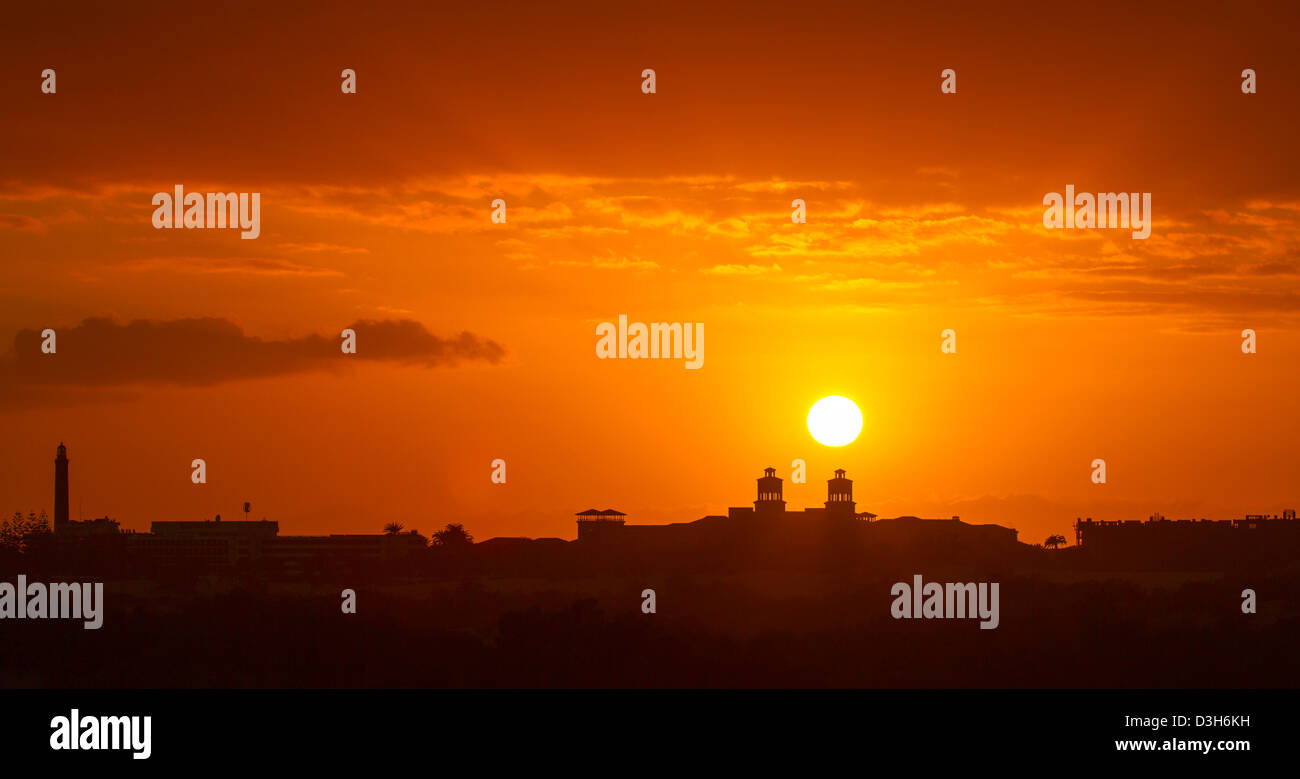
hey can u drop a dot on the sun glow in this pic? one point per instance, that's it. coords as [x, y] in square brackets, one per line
[834, 421]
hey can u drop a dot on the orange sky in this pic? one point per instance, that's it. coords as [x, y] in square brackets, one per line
[923, 214]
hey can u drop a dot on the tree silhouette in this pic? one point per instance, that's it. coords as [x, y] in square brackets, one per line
[15, 530]
[1055, 541]
[393, 528]
[452, 535]
[10, 535]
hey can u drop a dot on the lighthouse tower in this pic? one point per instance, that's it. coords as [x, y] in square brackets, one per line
[61, 488]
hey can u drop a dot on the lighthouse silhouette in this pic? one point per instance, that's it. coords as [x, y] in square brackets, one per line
[61, 488]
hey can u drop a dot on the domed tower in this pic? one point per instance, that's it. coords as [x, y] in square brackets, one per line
[839, 496]
[770, 501]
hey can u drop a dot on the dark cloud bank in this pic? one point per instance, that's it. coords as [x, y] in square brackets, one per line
[101, 353]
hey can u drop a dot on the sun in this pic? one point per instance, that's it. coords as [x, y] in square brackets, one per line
[834, 421]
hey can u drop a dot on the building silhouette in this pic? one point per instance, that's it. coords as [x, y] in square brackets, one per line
[597, 523]
[771, 530]
[208, 545]
[770, 502]
[61, 488]
[839, 495]
[69, 528]
[1161, 538]
[229, 545]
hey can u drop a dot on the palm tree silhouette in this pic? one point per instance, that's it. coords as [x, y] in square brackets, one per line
[453, 535]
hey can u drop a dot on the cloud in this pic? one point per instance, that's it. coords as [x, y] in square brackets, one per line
[21, 222]
[251, 266]
[103, 353]
[866, 242]
[610, 263]
[320, 246]
[741, 270]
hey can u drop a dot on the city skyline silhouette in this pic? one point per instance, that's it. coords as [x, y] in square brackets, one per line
[406, 303]
[476, 339]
